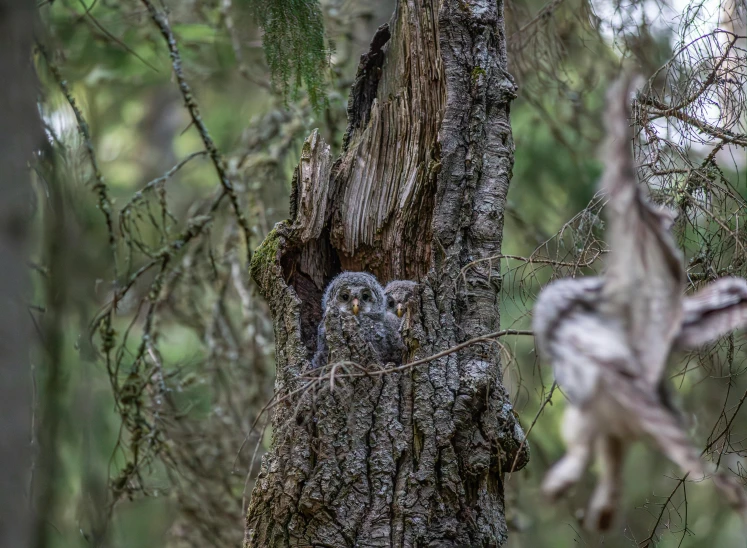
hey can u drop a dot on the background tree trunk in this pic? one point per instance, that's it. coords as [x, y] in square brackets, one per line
[414, 457]
[20, 133]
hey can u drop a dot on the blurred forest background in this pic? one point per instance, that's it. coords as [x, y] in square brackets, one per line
[154, 355]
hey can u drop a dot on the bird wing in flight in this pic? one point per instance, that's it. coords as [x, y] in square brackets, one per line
[579, 341]
[712, 312]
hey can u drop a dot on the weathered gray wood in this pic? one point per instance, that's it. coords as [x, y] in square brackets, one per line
[414, 457]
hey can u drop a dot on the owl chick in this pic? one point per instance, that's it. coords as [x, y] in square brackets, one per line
[358, 295]
[398, 294]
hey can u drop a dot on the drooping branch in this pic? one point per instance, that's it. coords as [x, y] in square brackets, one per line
[162, 23]
[99, 186]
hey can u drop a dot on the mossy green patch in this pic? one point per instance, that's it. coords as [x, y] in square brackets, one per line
[477, 72]
[264, 254]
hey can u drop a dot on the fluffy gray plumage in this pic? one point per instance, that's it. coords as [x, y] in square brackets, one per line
[359, 295]
[398, 294]
[608, 338]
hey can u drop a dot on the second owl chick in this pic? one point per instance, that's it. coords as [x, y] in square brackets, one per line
[359, 294]
[398, 294]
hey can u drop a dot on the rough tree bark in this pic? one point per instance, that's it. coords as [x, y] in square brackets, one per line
[415, 457]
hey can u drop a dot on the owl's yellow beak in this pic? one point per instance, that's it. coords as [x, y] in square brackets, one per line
[400, 310]
[356, 308]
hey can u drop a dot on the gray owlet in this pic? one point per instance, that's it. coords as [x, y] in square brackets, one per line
[358, 295]
[398, 294]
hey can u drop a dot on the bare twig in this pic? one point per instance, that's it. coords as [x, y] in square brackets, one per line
[194, 111]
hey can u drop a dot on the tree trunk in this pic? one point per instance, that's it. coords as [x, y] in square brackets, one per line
[20, 133]
[414, 457]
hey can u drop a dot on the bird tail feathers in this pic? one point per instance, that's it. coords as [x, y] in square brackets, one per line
[663, 428]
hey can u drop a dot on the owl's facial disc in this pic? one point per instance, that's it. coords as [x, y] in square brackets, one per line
[356, 300]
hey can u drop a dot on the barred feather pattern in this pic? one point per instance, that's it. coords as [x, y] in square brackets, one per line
[662, 427]
[645, 276]
[714, 311]
[608, 338]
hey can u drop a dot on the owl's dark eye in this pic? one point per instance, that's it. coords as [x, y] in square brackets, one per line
[390, 303]
[366, 296]
[345, 297]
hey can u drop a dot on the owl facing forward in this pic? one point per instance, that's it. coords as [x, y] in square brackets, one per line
[356, 299]
[398, 294]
